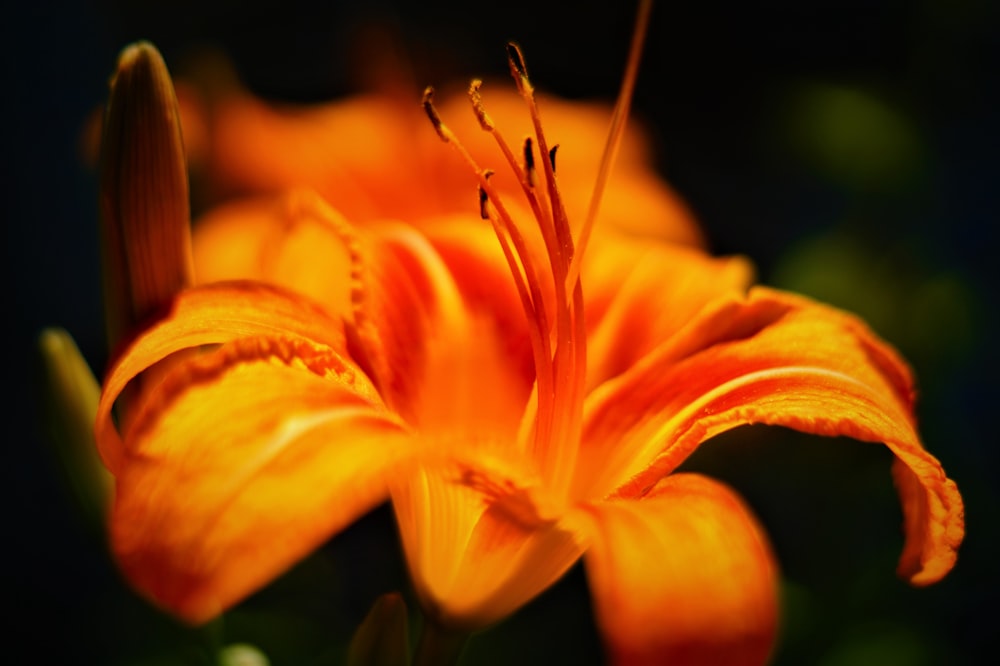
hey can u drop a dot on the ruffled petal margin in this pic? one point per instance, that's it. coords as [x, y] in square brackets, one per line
[208, 315]
[240, 462]
[683, 576]
[776, 359]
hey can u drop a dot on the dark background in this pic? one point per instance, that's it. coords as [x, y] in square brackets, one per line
[849, 148]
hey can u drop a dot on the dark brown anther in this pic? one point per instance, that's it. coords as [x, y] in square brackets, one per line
[484, 198]
[552, 157]
[529, 160]
[428, 103]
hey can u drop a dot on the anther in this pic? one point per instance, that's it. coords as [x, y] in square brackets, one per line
[529, 160]
[428, 103]
[477, 106]
[484, 198]
[552, 157]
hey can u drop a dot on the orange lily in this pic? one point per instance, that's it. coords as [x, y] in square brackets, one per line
[483, 389]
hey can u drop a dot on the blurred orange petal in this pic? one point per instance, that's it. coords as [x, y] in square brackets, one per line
[683, 576]
[294, 240]
[373, 157]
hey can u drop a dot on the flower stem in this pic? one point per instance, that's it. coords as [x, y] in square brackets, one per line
[439, 646]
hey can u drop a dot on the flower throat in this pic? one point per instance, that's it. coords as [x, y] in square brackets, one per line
[550, 428]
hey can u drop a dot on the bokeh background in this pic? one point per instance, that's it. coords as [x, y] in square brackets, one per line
[849, 148]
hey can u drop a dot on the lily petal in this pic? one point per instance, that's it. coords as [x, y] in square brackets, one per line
[294, 240]
[626, 298]
[473, 561]
[211, 314]
[776, 359]
[242, 461]
[359, 154]
[683, 576]
[438, 361]
[423, 310]
[373, 158]
[481, 273]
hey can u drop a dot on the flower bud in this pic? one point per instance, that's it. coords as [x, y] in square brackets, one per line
[145, 225]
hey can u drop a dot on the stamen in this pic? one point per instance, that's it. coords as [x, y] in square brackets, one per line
[529, 161]
[428, 103]
[487, 125]
[484, 198]
[518, 258]
[545, 363]
[560, 355]
[517, 67]
[536, 198]
[556, 448]
[477, 106]
[561, 249]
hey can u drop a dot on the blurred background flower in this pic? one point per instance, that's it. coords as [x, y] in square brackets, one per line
[848, 148]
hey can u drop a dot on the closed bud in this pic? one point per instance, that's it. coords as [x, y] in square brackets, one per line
[146, 234]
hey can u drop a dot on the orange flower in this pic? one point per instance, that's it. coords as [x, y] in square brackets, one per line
[523, 404]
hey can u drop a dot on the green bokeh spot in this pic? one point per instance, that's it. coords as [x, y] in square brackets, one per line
[855, 138]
